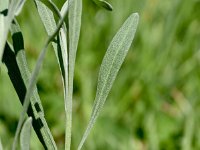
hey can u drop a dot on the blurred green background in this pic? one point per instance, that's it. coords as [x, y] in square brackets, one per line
[155, 101]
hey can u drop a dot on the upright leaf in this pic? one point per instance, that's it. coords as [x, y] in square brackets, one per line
[25, 134]
[110, 66]
[60, 47]
[74, 20]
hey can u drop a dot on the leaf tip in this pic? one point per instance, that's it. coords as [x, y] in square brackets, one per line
[104, 4]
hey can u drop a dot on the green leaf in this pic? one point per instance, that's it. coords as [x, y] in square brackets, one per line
[1, 146]
[13, 9]
[2, 36]
[110, 66]
[25, 134]
[64, 8]
[52, 7]
[60, 45]
[104, 4]
[19, 7]
[74, 21]
[35, 74]
[17, 63]
[3, 29]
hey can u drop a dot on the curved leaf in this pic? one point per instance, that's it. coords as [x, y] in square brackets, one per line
[36, 110]
[52, 7]
[25, 134]
[104, 4]
[110, 66]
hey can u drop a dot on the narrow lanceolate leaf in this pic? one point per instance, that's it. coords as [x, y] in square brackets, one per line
[34, 77]
[20, 81]
[110, 66]
[60, 46]
[49, 23]
[25, 134]
[104, 4]
[74, 20]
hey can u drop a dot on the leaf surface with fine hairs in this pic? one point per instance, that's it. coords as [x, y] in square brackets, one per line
[36, 110]
[110, 66]
[74, 21]
[25, 134]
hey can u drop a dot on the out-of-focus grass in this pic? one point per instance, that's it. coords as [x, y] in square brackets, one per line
[154, 103]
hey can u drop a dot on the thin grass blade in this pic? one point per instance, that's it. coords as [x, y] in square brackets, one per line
[25, 135]
[104, 4]
[110, 66]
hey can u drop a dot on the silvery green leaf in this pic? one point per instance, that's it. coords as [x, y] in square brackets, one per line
[64, 7]
[19, 7]
[14, 8]
[46, 16]
[52, 7]
[1, 146]
[36, 110]
[25, 134]
[104, 4]
[2, 36]
[74, 21]
[110, 66]
[3, 29]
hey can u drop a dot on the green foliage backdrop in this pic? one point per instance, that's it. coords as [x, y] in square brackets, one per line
[155, 101]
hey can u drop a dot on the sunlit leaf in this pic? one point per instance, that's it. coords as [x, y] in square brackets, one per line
[110, 66]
